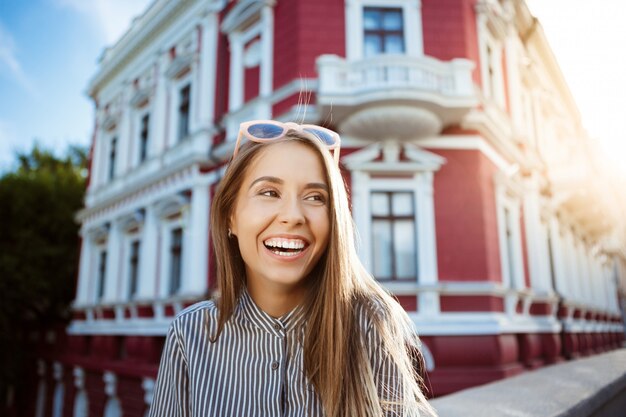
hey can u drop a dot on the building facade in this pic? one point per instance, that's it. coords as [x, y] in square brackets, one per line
[479, 199]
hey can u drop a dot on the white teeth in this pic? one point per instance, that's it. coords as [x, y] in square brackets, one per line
[285, 243]
[287, 254]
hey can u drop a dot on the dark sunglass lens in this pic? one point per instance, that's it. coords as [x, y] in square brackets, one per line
[265, 131]
[325, 137]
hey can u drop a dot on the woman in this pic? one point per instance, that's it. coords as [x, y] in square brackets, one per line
[298, 327]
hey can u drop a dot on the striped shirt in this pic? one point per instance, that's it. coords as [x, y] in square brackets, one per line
[254, 368]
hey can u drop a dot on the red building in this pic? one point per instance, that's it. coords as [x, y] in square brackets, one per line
[479, 199]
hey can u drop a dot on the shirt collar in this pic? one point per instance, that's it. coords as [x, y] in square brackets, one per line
[276, 326]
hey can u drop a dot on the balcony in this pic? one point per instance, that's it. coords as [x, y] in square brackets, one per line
[394, 95]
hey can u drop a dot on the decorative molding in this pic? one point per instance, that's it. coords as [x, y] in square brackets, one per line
[242, 13]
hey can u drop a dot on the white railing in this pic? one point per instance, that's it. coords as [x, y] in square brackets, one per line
[339, 76]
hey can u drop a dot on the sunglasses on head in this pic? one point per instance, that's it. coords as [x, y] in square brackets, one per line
[267, 130]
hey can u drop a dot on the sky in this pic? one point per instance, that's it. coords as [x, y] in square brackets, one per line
[49, 51]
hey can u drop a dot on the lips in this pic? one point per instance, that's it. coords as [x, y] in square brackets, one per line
[286, 247]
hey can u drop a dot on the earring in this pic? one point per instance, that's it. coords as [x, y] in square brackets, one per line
[230, 233]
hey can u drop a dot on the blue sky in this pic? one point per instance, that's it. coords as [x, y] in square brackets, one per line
[49, 51]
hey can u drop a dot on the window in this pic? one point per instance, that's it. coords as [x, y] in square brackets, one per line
[383, 31]
[143, 137]
[112, 157]
[393, 235]
[176, 249]
[133, 268]
[183, 112]
[510, 235]
[102, 268]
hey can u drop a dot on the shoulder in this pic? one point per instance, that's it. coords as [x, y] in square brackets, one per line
[197, 319]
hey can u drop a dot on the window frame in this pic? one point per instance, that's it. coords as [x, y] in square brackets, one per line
[112, 156]
[411, 23]
[102, 256]
[392, 218]
[511, 256]
[143, 143]
[382, 33]
[183, 134]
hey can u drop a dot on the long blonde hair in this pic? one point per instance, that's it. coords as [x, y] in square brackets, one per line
[336, 359]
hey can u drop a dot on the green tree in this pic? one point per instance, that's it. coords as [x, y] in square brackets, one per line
[39, 250]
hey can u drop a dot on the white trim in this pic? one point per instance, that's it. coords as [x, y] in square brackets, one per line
[412, 25]
[420, 183]
[476, 324]
[263, 12]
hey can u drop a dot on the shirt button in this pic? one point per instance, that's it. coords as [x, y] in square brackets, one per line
[274, 365]
[277, 327]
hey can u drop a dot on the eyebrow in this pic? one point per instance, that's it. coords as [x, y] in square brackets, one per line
[276, 180]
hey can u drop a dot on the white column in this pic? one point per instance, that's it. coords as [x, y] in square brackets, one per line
[414, 29]
[208, 59]
[196, 246]
[511, 49]
[593, 285]
[568, 267]
[159, 119]
[612, 305]
[267, 51]
[235, 91]
[535, 241]
[558, 253]
[426, 239]
[94, 172]
[113, 263]
[426, 244]
[123, 134]
[82, 294]
[360, 212]
[148, 259]
[354, 30]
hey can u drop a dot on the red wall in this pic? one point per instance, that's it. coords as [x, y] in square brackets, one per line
[449, 30]
[303, 30]
[465, 216]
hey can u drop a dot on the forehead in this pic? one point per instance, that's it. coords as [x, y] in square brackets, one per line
[288, 160]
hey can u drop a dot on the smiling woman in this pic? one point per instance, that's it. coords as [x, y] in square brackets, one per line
[299, 328]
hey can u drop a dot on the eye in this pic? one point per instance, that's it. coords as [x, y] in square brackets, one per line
[268, 193]
[317, 198]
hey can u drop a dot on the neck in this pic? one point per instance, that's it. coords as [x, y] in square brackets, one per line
[276, 301]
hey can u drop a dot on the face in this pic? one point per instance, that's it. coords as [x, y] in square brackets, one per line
[281, 216]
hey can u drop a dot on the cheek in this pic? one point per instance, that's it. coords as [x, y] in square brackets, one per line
[322, 228]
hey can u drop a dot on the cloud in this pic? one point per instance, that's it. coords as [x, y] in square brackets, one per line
[111, 17]
[8, 60]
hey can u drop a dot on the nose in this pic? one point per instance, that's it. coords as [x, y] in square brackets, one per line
[291, 212]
